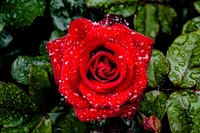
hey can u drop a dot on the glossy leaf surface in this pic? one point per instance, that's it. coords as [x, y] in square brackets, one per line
[145, 20]
[15, 105]
[21, 13]
[184, 111]
[158, 69]
[184, 59]
[153, 104]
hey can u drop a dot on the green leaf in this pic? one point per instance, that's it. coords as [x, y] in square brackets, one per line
[72, 123]
[191, 25]
[122, 7]
[183, 110]
[184, 60]
[55, 117]
[39, 87]
[197, 6]
[1, 27]
[56, 34]
[15, 105]
[20, 67]
[63, 11]
[42, 48]
[145, 20]
[167, 18]
[26, 127]
[198, 84]
[5, 39]
[158, 69]
[44, 126]
[21, 13]
[153, 104]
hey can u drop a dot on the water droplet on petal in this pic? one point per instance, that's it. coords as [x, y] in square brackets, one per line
[98, 118]
[120, 56]
[66, 62]
[88, 94]
[117, 110]
[104, 116]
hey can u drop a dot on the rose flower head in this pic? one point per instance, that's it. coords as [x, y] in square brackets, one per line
[101, 67]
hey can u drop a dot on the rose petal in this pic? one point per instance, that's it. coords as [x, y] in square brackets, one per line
[143, 43]
[116, 100]
[139, 81]
[76, 32]
[100, 86]
[98, 100]
[70, 81]
[129, 58]
[55, 49]
[145, 46]
[90, 114]
[100, 36]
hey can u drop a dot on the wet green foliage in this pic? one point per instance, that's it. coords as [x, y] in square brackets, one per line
[39, 87]
[184, 59]
[27, 127]
[15, 105]
[184, 111]
[20, 67]
[158, 69]
[153, 104]
[145, 21]
[71, 121]
[21, 13]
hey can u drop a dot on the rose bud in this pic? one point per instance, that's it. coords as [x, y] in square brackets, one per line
[152, 123]
[101, 68]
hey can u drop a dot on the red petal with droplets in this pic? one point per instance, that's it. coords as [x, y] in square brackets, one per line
[100, 36]
[70, 80]
[98, 100]
[91, 114]
[143, 43]
[55, 51]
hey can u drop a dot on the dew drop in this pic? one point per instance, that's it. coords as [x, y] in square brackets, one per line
[66, 62]
[139, 58]
[88, 94]
[98, 118]
[142, 43]
[146, 57]
[104, 116]
[181, 63]
[55, 61]
[191, 83]
[176, 51]
[117, 110]
[189, 42]
[129, 113]
[120, 56]
[132, 33]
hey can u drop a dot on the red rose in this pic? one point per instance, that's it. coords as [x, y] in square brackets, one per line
[101, 67]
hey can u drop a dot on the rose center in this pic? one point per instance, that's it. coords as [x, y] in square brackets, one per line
[102, 67]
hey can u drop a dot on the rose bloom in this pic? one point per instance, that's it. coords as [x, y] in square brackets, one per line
[101, 67]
